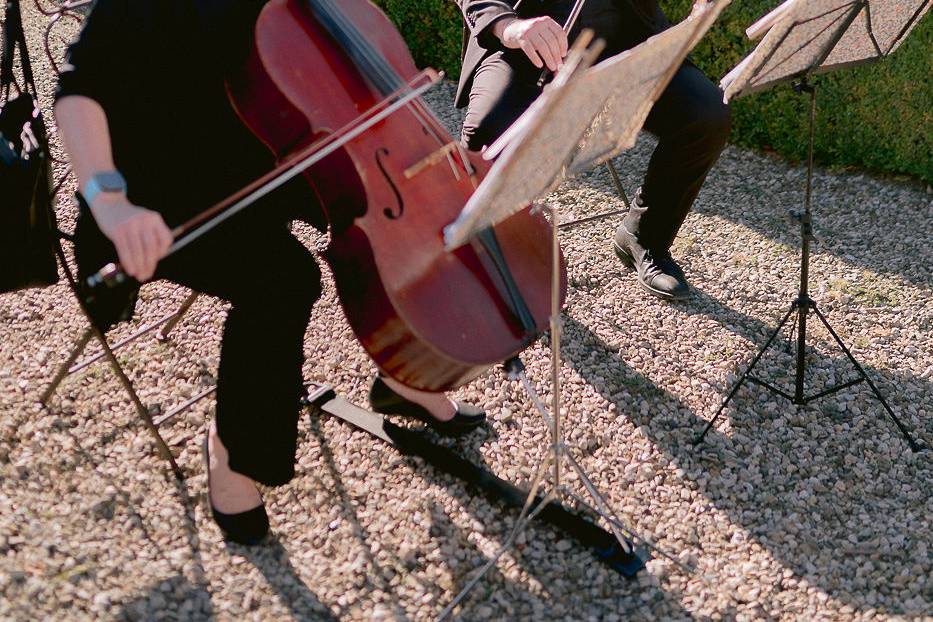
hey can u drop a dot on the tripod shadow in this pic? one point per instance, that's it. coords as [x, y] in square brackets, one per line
[787, 497]
[178, 589]
[192, 592]
[559, 590]
[272, 560]
[859, 227]
[376, 576]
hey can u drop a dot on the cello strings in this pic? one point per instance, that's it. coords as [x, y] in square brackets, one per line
[377, 62]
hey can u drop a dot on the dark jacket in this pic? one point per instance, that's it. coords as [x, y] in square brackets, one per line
[480, 15]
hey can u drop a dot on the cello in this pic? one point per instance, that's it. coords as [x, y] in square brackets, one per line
[320, 72]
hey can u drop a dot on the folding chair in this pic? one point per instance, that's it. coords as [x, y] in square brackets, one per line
[71, 364]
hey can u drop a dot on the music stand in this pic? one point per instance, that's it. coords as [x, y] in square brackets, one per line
[536, 154]
[803, 38]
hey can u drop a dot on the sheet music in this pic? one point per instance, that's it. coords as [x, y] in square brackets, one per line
[759, 28]
[881, 23]
[810, 36]
[533, 152]
[796, 43]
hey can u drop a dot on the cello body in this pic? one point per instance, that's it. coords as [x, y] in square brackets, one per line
[431, 319]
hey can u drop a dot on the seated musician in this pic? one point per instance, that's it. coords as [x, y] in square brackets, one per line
[505, 53]
[153, 140]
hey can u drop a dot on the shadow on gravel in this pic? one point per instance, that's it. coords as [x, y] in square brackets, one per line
[885, 235]
[165, 596]
[868, 221]
[827, 365]
[271, 559]
[191, 598]
[784, 476]
[375, 574]
[560, 598]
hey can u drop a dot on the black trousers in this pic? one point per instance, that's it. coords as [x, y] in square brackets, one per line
[271, 281]
[690, 120]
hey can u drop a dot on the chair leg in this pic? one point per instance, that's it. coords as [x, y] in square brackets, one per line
[617, 182]
[141, 409]
[162, 418]
[163, 334]
[63, 371]
[164, 451]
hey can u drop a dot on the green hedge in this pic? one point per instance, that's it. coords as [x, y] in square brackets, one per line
[878, 116]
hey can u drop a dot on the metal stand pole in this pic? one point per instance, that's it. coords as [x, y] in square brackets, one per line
[802, 307]
[557, 453]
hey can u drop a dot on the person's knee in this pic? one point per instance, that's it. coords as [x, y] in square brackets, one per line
[692, 111]
[486, 119]
[709, 119]
[285, 290]
[476, 133]
[716, 121]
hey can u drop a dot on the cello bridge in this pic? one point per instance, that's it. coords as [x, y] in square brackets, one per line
[433, 158]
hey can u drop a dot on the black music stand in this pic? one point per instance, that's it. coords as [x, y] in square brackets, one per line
[807, 37]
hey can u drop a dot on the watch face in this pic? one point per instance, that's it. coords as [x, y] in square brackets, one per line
[111, 181]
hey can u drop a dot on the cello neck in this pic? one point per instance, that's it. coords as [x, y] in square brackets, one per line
[371, 64]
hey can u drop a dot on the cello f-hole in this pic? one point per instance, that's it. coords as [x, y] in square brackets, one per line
[389, 212]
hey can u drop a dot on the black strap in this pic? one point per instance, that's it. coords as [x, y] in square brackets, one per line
[14, 37]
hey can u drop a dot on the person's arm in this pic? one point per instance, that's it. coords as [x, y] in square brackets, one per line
[140, 236]
[542, 39]
[101, 63]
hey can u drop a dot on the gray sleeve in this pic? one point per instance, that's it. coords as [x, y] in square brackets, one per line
[480, 15]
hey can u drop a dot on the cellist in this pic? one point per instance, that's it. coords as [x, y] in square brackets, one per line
[145, 119]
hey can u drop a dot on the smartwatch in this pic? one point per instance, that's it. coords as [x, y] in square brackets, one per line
[107, 181]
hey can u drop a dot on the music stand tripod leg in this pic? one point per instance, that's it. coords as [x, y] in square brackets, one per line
[803, 304]
[557, 450]
[528, 513]
[164, 451]
[141, 409]
[747, 372]
[914, 445]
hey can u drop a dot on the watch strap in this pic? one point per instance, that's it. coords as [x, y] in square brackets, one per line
[108, 181]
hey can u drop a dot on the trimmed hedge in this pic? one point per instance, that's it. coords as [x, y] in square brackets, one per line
[878, 116]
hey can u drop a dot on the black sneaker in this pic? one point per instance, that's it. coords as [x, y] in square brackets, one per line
[657, 272]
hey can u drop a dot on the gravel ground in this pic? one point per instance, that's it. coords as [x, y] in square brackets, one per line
[815, 513]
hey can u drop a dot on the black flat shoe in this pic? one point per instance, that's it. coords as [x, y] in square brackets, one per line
[386, 401]
[248, 527]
